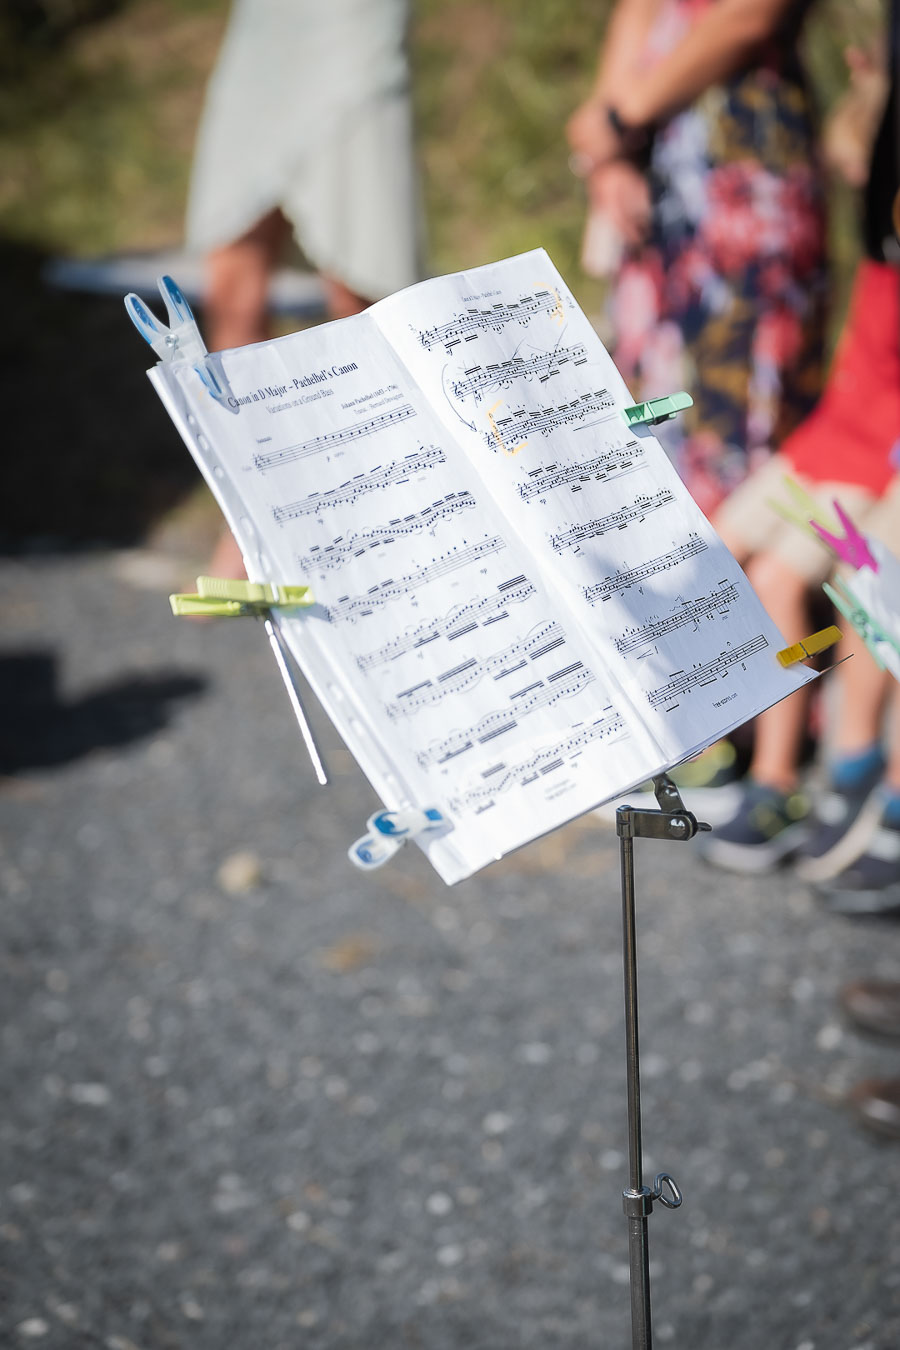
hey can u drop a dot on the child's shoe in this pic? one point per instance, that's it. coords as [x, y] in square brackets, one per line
[842, 819]
[871, 884]
[766, 828]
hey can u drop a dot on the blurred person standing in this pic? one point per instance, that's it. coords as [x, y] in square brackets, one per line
[698, 146]
[846, 450]
[306, 134]
[306, 130]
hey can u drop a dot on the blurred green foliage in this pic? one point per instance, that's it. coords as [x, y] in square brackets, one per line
[99, 101]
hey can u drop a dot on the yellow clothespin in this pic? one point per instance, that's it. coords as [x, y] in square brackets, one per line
[810, 646]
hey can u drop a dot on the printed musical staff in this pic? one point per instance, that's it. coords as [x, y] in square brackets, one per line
[335, 554]
[382, 476]
[543, 639]
[562, 684]
[465, 326]
[633, 576]
[353, 607]
[612, 464]
[273, 459]
[616, 520]
[689, 612]
[519, 425]
[683, 681]
[501, 374]
[461, 620]
[500, 777]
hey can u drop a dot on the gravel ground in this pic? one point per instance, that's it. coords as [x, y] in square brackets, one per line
[253, 1099]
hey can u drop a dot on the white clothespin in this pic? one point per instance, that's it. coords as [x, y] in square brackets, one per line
[181, 341]
[388, 832]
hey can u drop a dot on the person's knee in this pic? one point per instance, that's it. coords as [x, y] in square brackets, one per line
[775, 581]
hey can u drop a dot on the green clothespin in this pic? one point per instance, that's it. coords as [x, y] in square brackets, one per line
[220, 598]
[657, 409]
[871, 632]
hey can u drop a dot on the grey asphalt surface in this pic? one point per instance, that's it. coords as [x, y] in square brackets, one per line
[265, 1102]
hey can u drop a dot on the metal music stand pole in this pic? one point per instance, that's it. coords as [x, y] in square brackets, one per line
[671, 821]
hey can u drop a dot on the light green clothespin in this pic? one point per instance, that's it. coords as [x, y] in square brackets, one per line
[220, 598]
[808, 510]
[657, 409]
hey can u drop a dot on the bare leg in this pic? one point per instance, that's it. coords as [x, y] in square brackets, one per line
[237, 284]
[892, 776]
[779, 730]
[340, 301]
[236, 311]
[862, 692]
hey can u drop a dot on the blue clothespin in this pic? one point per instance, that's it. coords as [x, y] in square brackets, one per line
[181, 341]
[388, 831]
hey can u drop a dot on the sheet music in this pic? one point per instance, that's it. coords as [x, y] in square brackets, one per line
[516, 370]
[520, 613]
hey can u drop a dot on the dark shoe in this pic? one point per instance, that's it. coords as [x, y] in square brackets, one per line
[873, 1005]
[841, 824]
[876, 1104]
[871, 885]
[766, 828]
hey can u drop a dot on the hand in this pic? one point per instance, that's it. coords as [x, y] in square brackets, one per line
[591, 137]
[621, 192]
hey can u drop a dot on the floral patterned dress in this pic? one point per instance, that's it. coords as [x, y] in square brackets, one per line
[727, 297]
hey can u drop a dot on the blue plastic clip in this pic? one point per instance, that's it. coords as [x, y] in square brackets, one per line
[181, 341]
[388, 831]
[657, 410]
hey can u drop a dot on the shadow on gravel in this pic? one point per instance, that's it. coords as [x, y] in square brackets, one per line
[91, 456]
[39, 729]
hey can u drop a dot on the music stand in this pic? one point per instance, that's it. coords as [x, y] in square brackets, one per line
[671, 821]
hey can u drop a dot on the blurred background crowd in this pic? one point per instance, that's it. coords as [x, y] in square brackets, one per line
[709, 176]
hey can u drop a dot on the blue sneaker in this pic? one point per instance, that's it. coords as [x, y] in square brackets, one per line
[871, 884]
[765, 829]
[842, 819]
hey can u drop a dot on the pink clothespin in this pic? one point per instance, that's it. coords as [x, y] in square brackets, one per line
[853, 548]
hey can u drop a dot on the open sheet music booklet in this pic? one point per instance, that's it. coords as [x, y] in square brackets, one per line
[521, 613]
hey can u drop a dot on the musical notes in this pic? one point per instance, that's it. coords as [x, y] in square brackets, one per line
[459, 622]
[688, 612]
[500, 777]
[616, 520]
[457, 459]
[353, 607]
[633, 576]
[543, 639]
[561, 684]
[501, 374]
[466, 325]
[340, 550]
[683, 681]
[518, 425]
[612, 464]
[382, 476]
[273, 459]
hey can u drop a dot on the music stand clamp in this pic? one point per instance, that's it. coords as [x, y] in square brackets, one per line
[671, 821]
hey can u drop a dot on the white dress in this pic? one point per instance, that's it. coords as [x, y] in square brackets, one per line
[308, 110]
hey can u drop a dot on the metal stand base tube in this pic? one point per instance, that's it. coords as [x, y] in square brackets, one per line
[637, 1196]
[671, 822]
